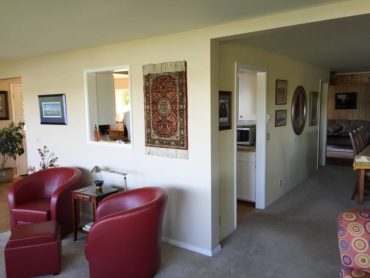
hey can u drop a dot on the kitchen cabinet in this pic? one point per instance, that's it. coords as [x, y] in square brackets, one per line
[246, 175]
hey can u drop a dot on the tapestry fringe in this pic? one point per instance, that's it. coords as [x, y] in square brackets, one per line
[169, 153]
[164, 67]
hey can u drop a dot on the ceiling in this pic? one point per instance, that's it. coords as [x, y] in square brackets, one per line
[340, 45]
[38, 27]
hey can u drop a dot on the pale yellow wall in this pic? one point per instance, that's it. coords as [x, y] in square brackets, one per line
[290, 158]
[121, 83]
[188, 182]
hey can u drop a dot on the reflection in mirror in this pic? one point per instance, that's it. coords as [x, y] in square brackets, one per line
[299, 110]
[109, 105]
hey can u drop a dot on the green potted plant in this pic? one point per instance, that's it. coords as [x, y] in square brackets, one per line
[11, 146]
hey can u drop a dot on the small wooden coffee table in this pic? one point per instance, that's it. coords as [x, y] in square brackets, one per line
[89, 194]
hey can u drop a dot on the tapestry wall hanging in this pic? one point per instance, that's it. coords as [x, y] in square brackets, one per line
[166, 109]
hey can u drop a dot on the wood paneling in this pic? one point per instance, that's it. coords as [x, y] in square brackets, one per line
[363, 102]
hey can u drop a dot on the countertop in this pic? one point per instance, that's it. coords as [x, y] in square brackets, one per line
[246, 148]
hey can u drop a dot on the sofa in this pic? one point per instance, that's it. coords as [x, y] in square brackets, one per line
[338, 143]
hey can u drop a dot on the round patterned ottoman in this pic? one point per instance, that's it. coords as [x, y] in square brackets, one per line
[353, 232]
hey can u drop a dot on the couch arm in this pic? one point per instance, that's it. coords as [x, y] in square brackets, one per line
[353, 239]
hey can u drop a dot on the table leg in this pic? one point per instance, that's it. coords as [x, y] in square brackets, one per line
[75, 218]
[361, 186]
[94, 209]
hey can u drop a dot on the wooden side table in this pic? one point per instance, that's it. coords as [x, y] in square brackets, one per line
[88, 194]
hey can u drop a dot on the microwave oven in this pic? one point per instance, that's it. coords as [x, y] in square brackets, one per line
[246, 135]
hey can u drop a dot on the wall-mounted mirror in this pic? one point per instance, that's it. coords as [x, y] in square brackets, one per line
[299, 110]
[109, 104]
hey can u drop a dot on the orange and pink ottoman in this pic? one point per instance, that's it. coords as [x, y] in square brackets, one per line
[353, 230]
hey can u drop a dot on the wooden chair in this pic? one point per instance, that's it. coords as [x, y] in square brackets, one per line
[362, 137]
[358, 144]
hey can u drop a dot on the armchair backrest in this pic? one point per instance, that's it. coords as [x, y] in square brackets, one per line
[124, 201]
[125, 239]
[42, 184]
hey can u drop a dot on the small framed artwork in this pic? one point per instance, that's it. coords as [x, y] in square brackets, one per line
[280, 117]
[314, 111]
[224, 110]
[4, 106]
[281, 91]
[53, 109]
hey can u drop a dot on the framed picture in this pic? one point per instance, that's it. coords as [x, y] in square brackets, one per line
[53, 109]
[280, 117]
[314, 112]
[4, 106]
[224, 110]
[281, 91]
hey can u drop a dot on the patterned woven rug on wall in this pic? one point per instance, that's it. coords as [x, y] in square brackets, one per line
[166, 109]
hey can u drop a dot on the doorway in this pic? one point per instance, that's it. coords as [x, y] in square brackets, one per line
[252, 170]
[17, 116]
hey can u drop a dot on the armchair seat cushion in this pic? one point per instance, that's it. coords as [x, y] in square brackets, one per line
[35, 211]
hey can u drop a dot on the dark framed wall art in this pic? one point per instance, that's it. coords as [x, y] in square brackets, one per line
[280, 117]
[53, 109]
[281, 91]
[224, 110]
[4, 105]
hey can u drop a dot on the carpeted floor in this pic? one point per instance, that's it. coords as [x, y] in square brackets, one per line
[295, 237]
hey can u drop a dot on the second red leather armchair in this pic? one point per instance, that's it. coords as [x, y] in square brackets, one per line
[125, 240]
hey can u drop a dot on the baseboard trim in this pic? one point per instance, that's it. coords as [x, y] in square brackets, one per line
[193, 248]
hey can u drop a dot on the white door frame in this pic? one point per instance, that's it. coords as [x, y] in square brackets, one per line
[324, 87]
[261, 150]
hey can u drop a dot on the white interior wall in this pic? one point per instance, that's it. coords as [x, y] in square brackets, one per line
[105, 98]
[188, 182]
[247, 96]
[290, 158]
[193, 185]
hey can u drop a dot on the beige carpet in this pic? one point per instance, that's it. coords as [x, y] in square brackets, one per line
[295, 237]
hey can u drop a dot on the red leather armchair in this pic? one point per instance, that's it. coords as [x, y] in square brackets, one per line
[125, 240]
[43, 196]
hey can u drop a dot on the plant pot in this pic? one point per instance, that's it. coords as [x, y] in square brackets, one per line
[6, 175]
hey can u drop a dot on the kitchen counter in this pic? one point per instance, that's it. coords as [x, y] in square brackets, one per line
[246, 148]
